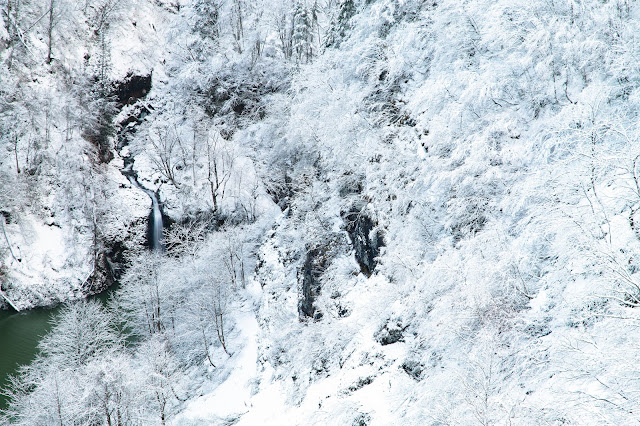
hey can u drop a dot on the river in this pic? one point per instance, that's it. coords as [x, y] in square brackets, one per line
[20, 334]
[19, 337]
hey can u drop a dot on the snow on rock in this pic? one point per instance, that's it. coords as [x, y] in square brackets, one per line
[51, 266]
[139, 44]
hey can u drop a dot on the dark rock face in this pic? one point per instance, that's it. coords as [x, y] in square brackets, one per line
[413, 369]
[7, 216]
[241, 94]
[316, 262]
[392, 332]
[110, 263]
[362, 382]
[282, 194]
[128, 127]
[366, 242]
[132, 88]
[121, 93]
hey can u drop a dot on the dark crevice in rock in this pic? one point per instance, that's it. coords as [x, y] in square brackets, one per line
[414, 369]
[365, 239]
[282, 194]
[127, 128]
[110, 264]
[7, 216]
[392, 332]
[362, 382]
[316, 262]
[314, 265]
[131, 88]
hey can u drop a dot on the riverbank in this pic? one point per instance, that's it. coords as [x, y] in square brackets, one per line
[20, 334]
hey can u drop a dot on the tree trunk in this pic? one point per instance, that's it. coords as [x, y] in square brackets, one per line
[50, 30]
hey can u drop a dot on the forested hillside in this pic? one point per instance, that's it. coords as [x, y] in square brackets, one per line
[373, 212]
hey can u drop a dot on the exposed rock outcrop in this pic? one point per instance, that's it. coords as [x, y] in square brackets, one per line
[365, 238]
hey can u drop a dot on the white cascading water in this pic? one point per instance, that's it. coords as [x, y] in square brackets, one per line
[156, 242]
[156, 231]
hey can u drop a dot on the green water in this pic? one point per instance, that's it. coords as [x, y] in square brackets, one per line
[20, 334]
[19, 337]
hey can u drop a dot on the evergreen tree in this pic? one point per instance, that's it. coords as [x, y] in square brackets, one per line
[302, 35]
[341, 25]
[207, 19]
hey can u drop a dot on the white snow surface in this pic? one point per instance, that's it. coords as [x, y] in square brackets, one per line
[508, 240]
[231, 397]
[53, 241]
[493, 144]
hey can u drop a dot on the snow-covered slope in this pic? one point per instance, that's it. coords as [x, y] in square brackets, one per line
[494, 146]
[416, 213]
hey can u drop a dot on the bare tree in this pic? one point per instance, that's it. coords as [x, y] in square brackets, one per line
[83, 330]
[219, 311]
[213, 308]
[237, 24]
[233, 259]
[52, 22]
[160, 369]
[220, 159]
[143, 296]
[182, 238]
[165, 145]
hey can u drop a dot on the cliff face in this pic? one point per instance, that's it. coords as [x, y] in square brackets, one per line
[70, 218]
[497, 160]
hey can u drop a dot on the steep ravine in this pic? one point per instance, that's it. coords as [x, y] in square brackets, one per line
[155, 227]
[132, 91]
[21, 332]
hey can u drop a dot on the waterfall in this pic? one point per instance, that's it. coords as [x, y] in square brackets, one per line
[137, 87]
[156, 230]
[155, 234]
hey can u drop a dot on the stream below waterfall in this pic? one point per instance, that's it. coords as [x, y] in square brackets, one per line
[20, 332]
